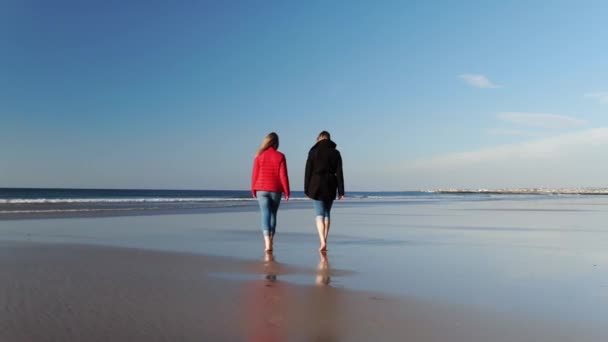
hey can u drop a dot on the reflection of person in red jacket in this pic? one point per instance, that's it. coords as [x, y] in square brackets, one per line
[269, 179]
[265, 306]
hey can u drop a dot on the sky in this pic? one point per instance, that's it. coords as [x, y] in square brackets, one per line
[417, 94]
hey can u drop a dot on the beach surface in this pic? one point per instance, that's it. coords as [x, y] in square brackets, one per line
[495, 270]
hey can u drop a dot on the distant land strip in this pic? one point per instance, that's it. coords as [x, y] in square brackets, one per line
[527, 191]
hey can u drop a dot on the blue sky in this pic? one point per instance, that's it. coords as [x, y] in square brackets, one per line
[417, 95]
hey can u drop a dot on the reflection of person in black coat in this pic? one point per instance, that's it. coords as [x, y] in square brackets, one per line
[323, 179]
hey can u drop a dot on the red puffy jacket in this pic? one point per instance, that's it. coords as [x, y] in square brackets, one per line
[270, 172]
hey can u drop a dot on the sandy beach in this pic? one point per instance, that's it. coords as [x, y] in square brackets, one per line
[85, 293]
[464, 271]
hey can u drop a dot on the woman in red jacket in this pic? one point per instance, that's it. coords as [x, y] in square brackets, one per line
[269, 179]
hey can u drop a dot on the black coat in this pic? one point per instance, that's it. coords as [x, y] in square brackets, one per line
[323, 176]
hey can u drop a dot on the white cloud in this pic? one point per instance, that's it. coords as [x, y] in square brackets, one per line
[513, 132]
[479, 81]
[567, 160]
[602, 97]
[534, 150]
[542, 120]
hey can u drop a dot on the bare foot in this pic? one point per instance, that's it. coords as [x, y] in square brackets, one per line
[268, 257]
[267, 243]
[323, 248]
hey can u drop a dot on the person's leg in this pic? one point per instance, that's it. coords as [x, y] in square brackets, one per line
[327, 218]
[326, 223]
[320, 222]
[265, 205]
[275, 201]
[321, 230]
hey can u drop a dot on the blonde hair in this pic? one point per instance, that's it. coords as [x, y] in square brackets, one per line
[271, 140]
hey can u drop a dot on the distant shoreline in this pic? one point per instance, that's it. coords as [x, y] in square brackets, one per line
[524, 191]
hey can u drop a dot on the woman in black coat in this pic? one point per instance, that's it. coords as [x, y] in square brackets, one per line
[322, 181]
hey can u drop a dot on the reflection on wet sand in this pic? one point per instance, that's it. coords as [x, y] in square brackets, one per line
[323, 274]
[279, 311]
[270, 267]
[324, 323]
[265, 305]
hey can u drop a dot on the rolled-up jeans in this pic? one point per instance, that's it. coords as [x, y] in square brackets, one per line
[323, 208]
[269, 206]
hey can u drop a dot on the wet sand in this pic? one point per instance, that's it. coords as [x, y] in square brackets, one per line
[492, 270]
[59, 292]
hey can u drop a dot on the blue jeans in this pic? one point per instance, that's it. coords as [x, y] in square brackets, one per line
[323, 208]
[269, 205]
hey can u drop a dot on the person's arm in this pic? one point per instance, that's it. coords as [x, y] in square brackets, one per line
[340, 177]
[254, 175]
[284, 177]
[307, 174]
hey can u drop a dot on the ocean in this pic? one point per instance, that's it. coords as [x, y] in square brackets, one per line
[49, 202]
[46, 201]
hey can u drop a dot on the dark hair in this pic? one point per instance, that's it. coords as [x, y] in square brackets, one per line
[324, 135]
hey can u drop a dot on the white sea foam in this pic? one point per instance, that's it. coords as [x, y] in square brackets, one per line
[117, 200]
[50, 211]
[128, 200]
